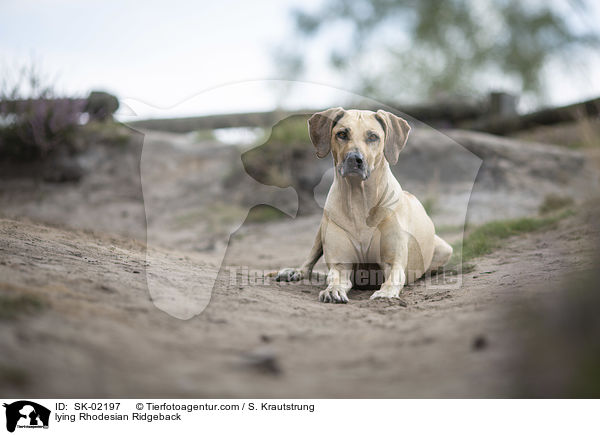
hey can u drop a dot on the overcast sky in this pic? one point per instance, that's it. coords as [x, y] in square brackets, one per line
[163, 53]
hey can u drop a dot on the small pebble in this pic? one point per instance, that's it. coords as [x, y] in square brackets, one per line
[479, 343]
[263, 361]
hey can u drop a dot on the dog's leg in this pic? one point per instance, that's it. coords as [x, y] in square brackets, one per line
[395, 278]
[304, 271]
[393, 258]
[338, 284]
[441, 253]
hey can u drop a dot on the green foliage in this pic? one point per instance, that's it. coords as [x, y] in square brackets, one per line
[432, 47]
[204, 135]
[109, 133]
[34, 121]
[291, 131]
[14, 376]
[430, 204]
[271, 161]
[217, 216]
[485, 239]
[488, 237]
[555, 202]
[264, 213]
[11, 306]
[101, 105]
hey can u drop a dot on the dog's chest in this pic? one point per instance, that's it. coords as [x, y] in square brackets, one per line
[366, 244]
[364, 239]
[359, 210]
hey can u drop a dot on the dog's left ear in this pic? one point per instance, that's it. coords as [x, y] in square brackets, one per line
[319, 129]
[396, 133]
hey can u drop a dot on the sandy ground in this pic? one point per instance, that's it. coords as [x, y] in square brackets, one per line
[78, 253]
[99, 334]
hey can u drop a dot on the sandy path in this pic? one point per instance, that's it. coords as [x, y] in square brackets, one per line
[100, 334]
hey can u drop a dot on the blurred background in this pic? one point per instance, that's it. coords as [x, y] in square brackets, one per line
[151, 148]
[397, 51]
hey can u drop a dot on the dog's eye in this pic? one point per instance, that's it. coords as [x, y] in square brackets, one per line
[372, 138]
[342, 135]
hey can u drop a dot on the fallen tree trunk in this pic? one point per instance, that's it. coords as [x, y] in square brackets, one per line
[445, 114]
[211, 122]
[503, 125]
[450, 114]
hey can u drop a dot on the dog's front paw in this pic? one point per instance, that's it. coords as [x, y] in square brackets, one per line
[334, 295]
[289, 274]
[387, 291]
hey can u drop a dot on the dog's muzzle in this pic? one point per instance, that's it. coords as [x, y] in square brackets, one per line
[354, 165]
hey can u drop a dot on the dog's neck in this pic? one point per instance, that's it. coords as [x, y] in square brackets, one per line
[367, 191]
[358, 198]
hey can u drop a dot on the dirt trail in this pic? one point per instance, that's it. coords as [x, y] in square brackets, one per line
[99, 334]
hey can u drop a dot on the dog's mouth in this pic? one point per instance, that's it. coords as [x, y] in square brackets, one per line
[353, 172]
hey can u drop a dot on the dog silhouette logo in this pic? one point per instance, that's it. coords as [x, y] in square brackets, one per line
[26, 414]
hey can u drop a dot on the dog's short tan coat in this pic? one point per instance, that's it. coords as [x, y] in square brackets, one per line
[368, 218]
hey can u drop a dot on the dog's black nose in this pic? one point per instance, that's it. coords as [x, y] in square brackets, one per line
[354, 164]
[354, 160]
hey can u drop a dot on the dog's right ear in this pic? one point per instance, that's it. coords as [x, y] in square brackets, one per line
[319, 129]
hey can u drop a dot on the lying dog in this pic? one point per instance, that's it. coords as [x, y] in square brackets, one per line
[368, 219]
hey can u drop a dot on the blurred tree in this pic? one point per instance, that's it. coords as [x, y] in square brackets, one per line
[413, 49]
[34, 121]
[101, 105]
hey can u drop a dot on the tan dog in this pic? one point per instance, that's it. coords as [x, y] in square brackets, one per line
[368, 219]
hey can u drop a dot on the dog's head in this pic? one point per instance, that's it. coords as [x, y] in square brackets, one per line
[360, 140]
